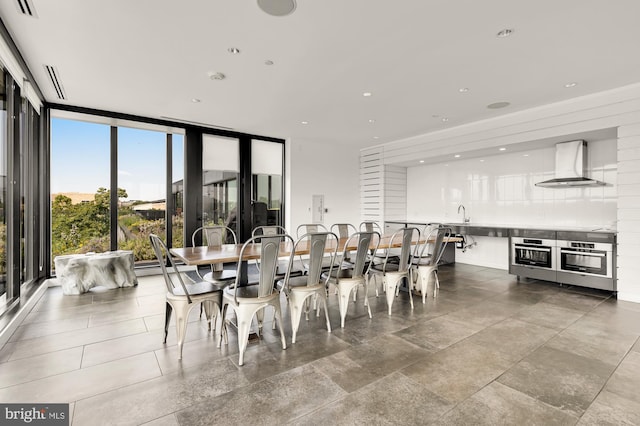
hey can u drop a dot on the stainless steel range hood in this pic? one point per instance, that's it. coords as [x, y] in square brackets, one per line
[571, 158]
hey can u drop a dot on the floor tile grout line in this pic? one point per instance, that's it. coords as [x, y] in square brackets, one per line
[611, 375]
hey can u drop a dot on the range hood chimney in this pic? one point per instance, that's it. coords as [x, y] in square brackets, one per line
[571, 158]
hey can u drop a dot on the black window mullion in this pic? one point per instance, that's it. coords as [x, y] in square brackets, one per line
[113, 201]
[169, 205]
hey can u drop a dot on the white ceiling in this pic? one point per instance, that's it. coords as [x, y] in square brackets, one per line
[152, 57]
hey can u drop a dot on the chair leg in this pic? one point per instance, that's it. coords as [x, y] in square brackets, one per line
[366, 296]
[244, 324]
[210, 312]
[295, 306]
[344, 291]
[223, 326]
[278, 316]
[436, 287]
[326, 314]
[182, 312]
[167, 319]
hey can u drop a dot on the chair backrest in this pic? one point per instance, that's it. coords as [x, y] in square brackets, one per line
[365, 242]
[317, 243]
[429, 234]
[370, 226]
[308, 228]
[442, 239]
[407, 250]
[267, 230]
[269, 254]
[214, 235]
[172, 277]
[343, 230]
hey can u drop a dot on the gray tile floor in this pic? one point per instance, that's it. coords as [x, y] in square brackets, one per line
[487, 350]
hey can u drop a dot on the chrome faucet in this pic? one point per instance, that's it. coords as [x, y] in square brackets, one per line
[465, 219]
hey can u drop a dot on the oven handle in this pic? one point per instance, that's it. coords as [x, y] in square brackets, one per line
[581, 253]
[532, 248]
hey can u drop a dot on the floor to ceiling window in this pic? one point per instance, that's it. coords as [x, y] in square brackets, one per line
[143, 167]
[3, 189]
[142, 196]
[80, 180]
[266, 171]
[177, 190]
[21, 198]
[220, 167]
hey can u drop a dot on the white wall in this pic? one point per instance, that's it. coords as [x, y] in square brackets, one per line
[500, 189]
[628, 260]
[320, 168]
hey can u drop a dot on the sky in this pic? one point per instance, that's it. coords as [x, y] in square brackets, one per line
[80, 157]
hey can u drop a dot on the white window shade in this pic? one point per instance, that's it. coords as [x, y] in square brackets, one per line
[220, 154]
[266, 158]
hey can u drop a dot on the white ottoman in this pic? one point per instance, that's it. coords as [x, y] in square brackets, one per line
[77, 273]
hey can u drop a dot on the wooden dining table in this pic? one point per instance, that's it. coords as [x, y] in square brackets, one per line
[230, 253]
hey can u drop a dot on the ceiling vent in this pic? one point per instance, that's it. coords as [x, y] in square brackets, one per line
[26, 8]
[55, 81]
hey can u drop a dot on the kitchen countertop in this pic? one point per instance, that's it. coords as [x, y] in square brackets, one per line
[498, 230]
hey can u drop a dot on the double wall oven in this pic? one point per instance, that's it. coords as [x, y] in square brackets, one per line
[570, 257]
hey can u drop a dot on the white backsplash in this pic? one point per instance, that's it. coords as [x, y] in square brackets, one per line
[501, 190]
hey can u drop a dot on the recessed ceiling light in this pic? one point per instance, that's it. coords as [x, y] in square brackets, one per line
[497, 105]
[503, 149]
[482, 161]
[216, 76]
[376, 137]
[304, 122]
[446, 165]
[525, 155]
[445, 119]
[366, 94]
[463, 89]
[457, 156]
[421, 161]
[268, 62]
[572, 84]
[277, 7]
[371, 120]
[195, 100]
[233, 50]
[504, 33]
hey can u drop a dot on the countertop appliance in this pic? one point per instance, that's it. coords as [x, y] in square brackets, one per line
[586, 259]
[579, 258]
[533, 254]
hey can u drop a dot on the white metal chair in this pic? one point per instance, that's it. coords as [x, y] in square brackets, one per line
[215, 236]
[347, 279]
[267, 230]
[308, 228]
[300, 289]
[247, 301]
[393, 273]
[343, 230]
[182, 297]
[424, 267]
[270, 230]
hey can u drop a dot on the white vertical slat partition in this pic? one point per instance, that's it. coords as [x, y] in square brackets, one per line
[383, 188]
[395, 192]
[371, 185]
[628, 259]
